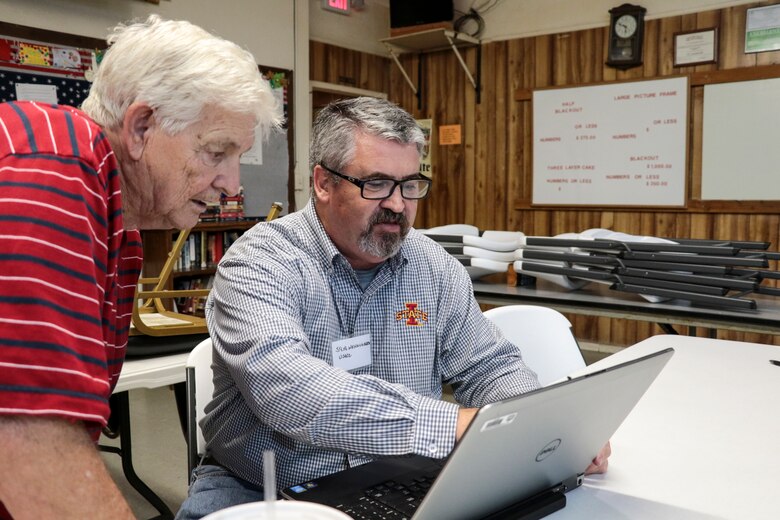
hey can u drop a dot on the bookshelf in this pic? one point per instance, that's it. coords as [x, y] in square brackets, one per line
[198, 270]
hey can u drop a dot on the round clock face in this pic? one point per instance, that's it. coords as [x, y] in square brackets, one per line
[625, 26]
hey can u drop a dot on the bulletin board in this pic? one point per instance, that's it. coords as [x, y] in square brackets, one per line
[617, 144]
[57, 67]
[38, 70]
[268, 179]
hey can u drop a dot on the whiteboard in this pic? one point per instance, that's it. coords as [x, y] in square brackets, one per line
[740, 151]
[620, 144]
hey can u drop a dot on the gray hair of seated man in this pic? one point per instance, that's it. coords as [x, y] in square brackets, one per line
[178, 69]
[336, 126]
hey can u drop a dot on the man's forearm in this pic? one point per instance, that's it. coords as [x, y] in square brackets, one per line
[51, 469]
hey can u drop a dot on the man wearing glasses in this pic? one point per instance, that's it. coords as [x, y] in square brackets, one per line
[334, 328]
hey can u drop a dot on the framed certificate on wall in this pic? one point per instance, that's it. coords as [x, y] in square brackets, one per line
[762, 29]
[696, 47]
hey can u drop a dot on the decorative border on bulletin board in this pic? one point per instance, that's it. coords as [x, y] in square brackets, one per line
[38, 57]
[47, 60]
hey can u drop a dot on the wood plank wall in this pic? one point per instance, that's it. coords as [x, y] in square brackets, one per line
[486, 181]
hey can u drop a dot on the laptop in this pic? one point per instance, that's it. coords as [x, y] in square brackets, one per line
[516, 460]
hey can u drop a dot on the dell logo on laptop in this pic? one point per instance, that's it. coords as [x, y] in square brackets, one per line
[547, 450]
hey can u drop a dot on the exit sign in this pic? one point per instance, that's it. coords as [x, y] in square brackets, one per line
[338, 6]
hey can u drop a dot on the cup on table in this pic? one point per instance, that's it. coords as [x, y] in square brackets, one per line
[278, 509]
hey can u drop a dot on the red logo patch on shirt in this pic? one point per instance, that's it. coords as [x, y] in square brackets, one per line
[412, 315]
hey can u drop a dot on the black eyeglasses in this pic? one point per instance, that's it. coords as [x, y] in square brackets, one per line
[378, 189]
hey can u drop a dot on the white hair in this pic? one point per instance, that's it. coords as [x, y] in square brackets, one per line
[178, 69]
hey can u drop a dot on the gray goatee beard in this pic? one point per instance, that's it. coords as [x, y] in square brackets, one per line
[383, 245]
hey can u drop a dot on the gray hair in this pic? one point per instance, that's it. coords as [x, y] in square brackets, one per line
[178, 69]
[334, 130]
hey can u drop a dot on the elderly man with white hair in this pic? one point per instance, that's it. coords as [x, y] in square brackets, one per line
[170, 111]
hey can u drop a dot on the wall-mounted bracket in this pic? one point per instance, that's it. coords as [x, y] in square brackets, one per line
[435, 40]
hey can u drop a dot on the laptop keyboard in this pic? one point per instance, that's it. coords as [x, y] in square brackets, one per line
[390, 500]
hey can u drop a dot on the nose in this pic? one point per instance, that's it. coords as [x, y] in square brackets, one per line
[395, 202]
[228, 180]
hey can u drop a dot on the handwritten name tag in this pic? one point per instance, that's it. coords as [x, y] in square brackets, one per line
[352, 353]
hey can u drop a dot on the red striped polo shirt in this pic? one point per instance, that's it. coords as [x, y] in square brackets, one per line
[68, 269]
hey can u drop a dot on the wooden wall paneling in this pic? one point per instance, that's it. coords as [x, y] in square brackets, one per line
[484, 130]
[500, 145]
[400, 92]
[707, 19]
[460, 93]
[651, 56]
[701, 226]
[490, 172]
[695, 130]
[587, 46]
[732, 39]
[332, 64]
[543, 60]
[373, 74]
[445, 88]
[469, 132]
[526, 147]
[530, 70]
[317, 62]
[688, 22]
[562, 60]
[602, 332]
[514, 147]
[665, 45]
[767, 58]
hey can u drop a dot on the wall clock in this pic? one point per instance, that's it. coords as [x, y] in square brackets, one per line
[626, 34]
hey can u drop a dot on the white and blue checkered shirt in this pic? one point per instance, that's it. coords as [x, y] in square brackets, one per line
[283, 294]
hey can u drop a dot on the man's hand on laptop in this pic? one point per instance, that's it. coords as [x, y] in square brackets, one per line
[601, 462]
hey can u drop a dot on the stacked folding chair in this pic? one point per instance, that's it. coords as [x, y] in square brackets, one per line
[483, 253]
[718, 273]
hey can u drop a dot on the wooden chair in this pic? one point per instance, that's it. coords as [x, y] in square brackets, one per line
[151, 317]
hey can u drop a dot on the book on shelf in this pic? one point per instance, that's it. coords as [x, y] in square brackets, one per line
[193, 305]
[204, 249]
[212, 212]
[229, 208]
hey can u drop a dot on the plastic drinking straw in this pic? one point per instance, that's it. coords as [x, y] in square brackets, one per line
[269, 476]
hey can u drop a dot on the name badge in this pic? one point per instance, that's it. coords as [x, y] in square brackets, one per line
[352, 353]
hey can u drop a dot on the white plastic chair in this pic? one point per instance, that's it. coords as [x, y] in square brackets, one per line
[200, 390]
[545, 339]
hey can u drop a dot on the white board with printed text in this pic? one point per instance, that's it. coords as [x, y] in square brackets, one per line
[618, 144]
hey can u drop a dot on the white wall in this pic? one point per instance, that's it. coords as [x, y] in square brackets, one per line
[360, 30]
[264, 27]
[520, 18]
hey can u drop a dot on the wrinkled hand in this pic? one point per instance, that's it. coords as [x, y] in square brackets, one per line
[601, 462]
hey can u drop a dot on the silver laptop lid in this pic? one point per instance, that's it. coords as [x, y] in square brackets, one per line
[516, 448]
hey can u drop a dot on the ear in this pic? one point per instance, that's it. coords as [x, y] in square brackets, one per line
[323, 185]
[136, 127]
